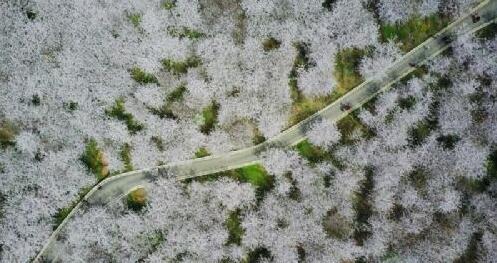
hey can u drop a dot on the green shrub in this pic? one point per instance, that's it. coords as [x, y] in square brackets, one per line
[448, 142]
[201, 152]
[126, 157]
[235, 229]
[210, 118]
[257, 255]
[135, 18]
[407, 102]
[119, 112]
[169, 4]
[94, 159]
[31, 14]
[181, 67]
[143, 77]
[315, 154]
[36, 100]
[270, 44]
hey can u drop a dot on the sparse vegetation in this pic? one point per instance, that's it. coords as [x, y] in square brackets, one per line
[182, 32]
[143, 77]
[119, 112]
[159, 143]
[137, 199]
[95, 160]
[315, 154]
[350, 126]
[336, 226]
[258, 255]
[181, 67]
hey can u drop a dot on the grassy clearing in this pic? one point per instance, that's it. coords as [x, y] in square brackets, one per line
[119, 112]
[181, 67]
[143, 77]
[8, 133]
[234, 226]
[414, 31]
[487, 33]
[210, 117]
[255, 174]
[125, 155]
[135, 19]
[363, 208]
[201, 152]
[95, 160]
[137, 199]
[62, 213]
[185, 32]
[270, 43]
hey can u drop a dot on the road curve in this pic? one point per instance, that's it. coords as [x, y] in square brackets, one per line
[118, 186]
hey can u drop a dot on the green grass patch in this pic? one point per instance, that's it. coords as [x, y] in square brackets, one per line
[135, 19]
[185, 32]
[414, 31]
[94, 159]
[62, 213]
[346, 71]
[169, 4]
[255, 174]
[125, 155]
[119, 112]
[210, 117]
[137, 199]
[165, 111]
[407, 102]
[8, 133]
[235, 229]
[181, 67]
[270, 43]
[418, 178]
[448, 142]
[202, 152]
[143, 77]
[487, 33]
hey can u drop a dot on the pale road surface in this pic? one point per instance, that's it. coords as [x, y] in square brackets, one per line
[114, 188]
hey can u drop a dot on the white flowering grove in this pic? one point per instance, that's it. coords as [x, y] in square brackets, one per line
[416, 183]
